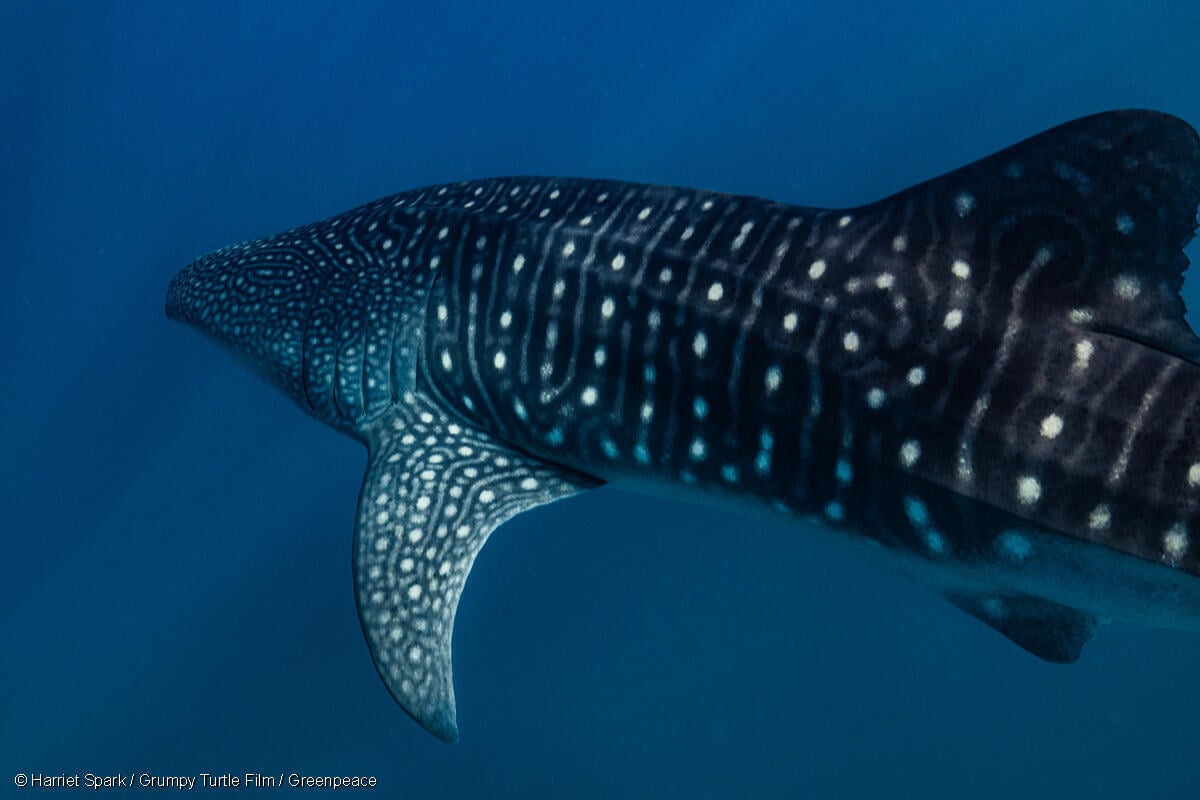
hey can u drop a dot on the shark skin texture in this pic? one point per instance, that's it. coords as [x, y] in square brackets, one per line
[985, 380]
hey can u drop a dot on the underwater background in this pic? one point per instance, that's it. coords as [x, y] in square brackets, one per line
[175, 580]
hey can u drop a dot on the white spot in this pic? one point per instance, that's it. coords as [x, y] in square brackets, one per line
[600, 356]
[665, 276]
[698, 449]
[843, 471]
[1175, 542]
[559, 289]
[447, 362]
[568, 248]
[1100, 518]
[899, 244]
[916, 511]
[773, 378]
[700, 344]
[715, 292]
[414, 592]
[875, 398]
[935, 541]
[1052, 426]
[654, 319]
[607, 308]
[647, 411]
[644, 213]
[442, 312]
[1193, 476]
[518, 263]
[844, 221]
[700, 407]
[505, 319]
[729, 473]
[414, 653]
[1029, 490]
[835, 511]
[995, 609]
[687, 232]
[817, 269]
[443, 233]
[415, 535]
[1124, 224]
[850, 342]
[1014, 546]
[589, 396]
[423, 502]
[1127, 287]
[487, 496]
[1080, 316]
[961, 269]
[740, 239]
[910, 452]
[790, 320]
[529, 484]
[963, 203]
[387, 244]
[618, 262]
[916, 376]
[1083, 354]
[885, 280]
[953, 319]
[500, 359]
[406, 565]
[586, 221]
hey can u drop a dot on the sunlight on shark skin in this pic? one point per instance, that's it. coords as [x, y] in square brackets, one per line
[987, 377]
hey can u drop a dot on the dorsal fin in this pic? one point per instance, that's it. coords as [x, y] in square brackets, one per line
[1095, 213]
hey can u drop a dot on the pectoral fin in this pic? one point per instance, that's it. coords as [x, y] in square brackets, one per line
[434, 490]
[1050, 631]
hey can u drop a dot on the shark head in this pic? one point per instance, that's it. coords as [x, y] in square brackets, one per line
[252, 299]
[325, 317]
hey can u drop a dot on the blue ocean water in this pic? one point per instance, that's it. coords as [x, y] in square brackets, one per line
[175, 592]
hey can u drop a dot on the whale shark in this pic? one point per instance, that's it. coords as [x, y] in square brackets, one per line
[984, 382]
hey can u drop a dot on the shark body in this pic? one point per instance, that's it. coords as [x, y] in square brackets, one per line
[986, 379]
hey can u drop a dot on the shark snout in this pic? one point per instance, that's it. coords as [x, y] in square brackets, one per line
[178, 306]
